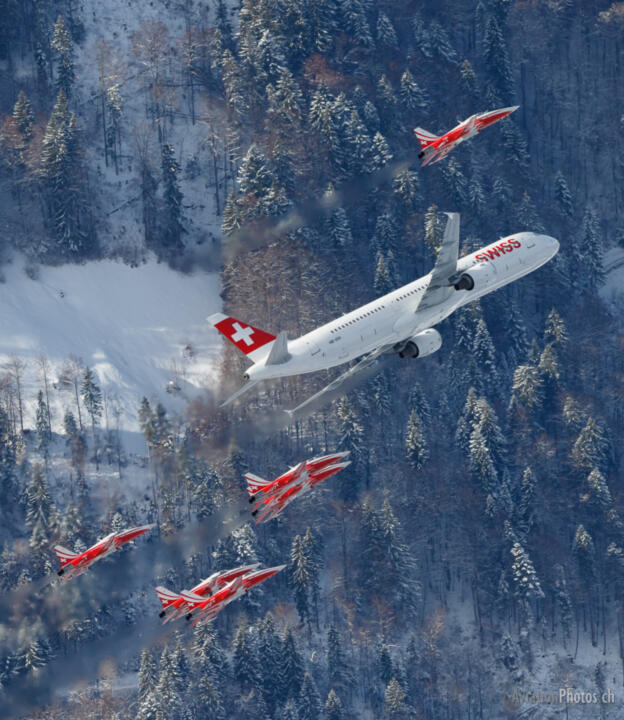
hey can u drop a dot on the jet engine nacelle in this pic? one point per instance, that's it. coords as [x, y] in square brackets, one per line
[421, 345]
[477, 277]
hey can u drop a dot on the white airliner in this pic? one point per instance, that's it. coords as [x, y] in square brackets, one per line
[399, 322]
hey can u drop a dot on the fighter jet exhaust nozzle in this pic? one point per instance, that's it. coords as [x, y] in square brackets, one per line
[465, 282]
[246, 376]
[60, 572]
[252, 499]
[162, 614]
[424, 343]
[188, 617]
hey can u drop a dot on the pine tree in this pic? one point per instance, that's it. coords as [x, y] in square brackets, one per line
[497, 58]
[555, 331]
[147, 675]
[39, 507]
[62, 182]
[62, 43]
[382, 283]
[92, 399]
[23, 116]
[386, 669]
[292, 668]
[413, 97]
[564, 602]
[245, 662]
[337, 671]
[339, 230]
[590, 252]
[333, 707]
[167, 699]
[172, 221]
[485, 355]
[415, 444]
[44, 432]
[394, 700]
[591, 448]
[563, 196]
[527, 215]
[352, 439]
[526, 582]
[300, 578]
[8, 568]
[527, 386]
[309, 700]
[585, 553]
[386, 34]
[469, 78]
[441, 43]
[434, 228]
[467, 421]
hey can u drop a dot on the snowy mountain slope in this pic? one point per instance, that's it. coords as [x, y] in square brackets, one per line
[131, 325]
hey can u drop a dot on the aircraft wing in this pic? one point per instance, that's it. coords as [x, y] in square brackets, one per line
[441, 286]
[365, 362]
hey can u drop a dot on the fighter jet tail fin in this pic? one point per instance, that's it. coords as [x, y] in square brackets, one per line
[64, 555]
[425, 138]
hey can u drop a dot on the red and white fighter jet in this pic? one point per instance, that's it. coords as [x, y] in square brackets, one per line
[435, 148]
[173, 603]
[275, 495]
[204, 610]
[74, 564]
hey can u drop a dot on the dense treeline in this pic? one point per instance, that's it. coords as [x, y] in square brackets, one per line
[479, 524]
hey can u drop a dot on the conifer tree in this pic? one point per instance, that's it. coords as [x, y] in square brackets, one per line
[434, 228]
[337, 670]
[590, 251]
[148, 678]
[245, 662]
[44, 432]
[333, 707]
[39, 507]
[300, 578]
[591, 447]
[62, 43]
[309, 700]
[386, 34]
[292, 668]
[172, 222]
[413, 97]
[92, 399]
[563, 196]
[23, 116]
[415, 444]
[497, 58]
[394, 700]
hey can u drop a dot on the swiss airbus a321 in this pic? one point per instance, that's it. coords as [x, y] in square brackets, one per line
[437, 147]
[399, 322]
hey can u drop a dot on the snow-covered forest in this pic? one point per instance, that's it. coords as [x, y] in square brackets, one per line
[152, 154]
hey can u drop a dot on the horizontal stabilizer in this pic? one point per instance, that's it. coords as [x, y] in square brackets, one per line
[64, 555]
[425, 138]
[166, 597]
[255, 483]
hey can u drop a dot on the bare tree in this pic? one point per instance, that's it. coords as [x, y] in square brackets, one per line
[16, 367]
[71, 377]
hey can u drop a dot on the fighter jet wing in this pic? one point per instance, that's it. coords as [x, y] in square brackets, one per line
[365, 362]
[441, 285]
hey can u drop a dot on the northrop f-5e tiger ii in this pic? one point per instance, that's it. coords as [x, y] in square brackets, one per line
[74, 564]
[400, 322]
[273, 496]
[437, 147]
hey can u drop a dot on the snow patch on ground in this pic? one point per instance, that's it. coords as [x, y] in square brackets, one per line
[138, 328]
